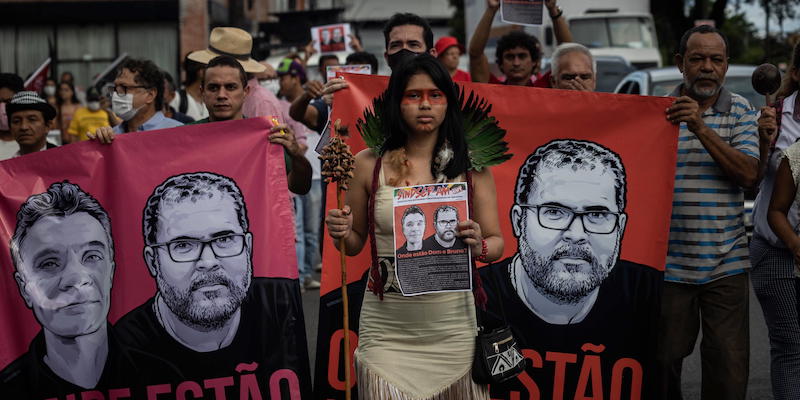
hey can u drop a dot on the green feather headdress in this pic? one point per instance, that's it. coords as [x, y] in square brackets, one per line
[484, 135]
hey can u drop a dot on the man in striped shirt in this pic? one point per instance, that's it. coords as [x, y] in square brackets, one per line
[706, 272]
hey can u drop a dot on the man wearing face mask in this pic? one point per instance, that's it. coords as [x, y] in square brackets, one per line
[138, 99]
[405, 35]
[90, 118]
[268, 79]
[49, 91]
[10, 84]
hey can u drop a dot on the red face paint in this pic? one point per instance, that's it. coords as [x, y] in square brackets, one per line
[432, 96]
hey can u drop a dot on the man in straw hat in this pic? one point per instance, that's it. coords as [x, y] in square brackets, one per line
[237, 43]
[258, 101]
[30, 117]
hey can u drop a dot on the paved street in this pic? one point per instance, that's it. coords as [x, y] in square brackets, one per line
[758, 389]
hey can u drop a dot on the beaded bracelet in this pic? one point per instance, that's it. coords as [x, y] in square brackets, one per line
[484, 251]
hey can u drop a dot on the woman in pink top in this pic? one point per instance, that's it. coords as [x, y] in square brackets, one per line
[67, 103]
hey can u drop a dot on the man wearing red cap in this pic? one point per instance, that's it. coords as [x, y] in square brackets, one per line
[449, 51]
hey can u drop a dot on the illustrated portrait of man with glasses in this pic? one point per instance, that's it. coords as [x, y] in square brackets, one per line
[445, 220]
[210, 315]
[568, 217]
[566, 286]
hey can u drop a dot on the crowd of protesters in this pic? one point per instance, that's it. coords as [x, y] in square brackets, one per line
[722, 138]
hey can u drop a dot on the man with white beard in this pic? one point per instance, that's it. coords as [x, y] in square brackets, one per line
[566, 291]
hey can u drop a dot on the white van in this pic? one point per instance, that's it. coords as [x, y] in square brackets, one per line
[622, 28]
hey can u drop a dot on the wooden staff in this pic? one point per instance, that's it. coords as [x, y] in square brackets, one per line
[337, 166]
[345, 304]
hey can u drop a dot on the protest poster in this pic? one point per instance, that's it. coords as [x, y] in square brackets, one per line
[175, 269]
[609, 353]
[429, 257]
[332, 71]
[331, 38]
[522, 12]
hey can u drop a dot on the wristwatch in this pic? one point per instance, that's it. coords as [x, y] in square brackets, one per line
[559, 14]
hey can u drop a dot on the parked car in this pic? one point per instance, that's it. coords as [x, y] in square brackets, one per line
[610, 71]
[662, 81]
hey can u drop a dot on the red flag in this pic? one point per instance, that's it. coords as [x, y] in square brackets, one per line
[39, 77]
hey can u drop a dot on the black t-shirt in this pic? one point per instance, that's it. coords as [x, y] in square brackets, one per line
[28, 377]
[404, 249]
[622, 325]
[270, 342]
[430, 243]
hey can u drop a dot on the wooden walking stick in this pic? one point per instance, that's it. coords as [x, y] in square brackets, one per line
[337, 166]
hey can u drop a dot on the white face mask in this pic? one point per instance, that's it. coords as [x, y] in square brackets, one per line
[123, 106]
[93, 105]
[273, 85]
[50, 90]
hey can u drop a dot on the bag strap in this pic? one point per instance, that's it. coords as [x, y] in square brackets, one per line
[184, 102]
[375, 283]
[493, 281]
[477, 284]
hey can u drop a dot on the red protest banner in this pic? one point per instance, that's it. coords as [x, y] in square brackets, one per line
[632, 136]
[165, 254]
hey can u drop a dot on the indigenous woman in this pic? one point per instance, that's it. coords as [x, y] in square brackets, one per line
[775, 252]
[416, 347]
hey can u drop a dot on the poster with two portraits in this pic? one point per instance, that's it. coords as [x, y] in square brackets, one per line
[584, 207]
[157, 267]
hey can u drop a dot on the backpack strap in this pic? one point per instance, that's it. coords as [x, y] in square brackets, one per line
[375, 282]
[184, 106]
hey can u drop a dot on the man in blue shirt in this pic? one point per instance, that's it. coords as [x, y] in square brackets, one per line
[138, 99]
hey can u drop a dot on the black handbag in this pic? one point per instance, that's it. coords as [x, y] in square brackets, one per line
[497, 356]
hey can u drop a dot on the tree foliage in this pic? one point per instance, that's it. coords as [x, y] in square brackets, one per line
[457, 24]
[674, 17]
